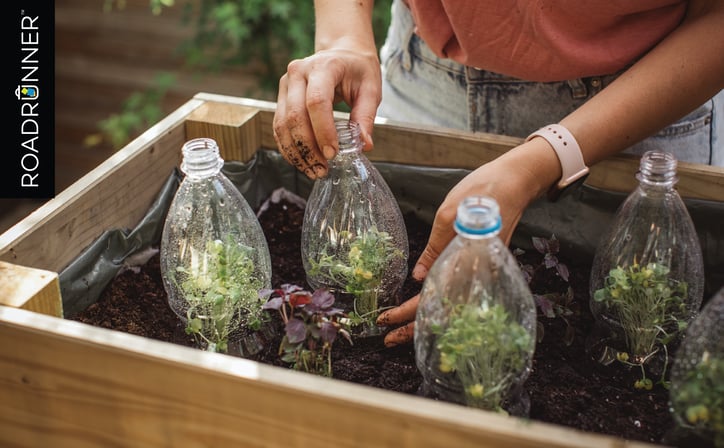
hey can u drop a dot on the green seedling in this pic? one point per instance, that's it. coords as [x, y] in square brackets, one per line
[648, 305]
[360, 271]
[222, 293]
[700, 398]
[486, 349]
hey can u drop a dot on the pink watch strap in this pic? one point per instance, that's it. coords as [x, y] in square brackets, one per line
[569, 153]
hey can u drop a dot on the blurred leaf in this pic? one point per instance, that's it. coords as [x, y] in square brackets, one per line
[140, 111]
[260, 35]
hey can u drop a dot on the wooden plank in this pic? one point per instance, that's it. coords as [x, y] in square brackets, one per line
[138, 77]
[116, 194]
[439, 147]
[109, 56]
[133, 32]
[695, 180]
[396, 142]
[436, 147]
[234, 127]
[70, 384]
[107, 205]
[30, 289]
[265, 113]
[15, 210]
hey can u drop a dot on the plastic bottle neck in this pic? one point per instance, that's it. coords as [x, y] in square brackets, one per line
[201, 158]
[478, 217]
[657, 169]
[348, 135]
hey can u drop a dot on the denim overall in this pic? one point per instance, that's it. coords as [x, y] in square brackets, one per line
[421, 88]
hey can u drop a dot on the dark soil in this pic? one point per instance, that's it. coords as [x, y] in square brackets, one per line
[566, 386]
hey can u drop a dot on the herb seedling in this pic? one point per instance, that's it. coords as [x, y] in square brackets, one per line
[700, 397]
[549, 248]
[360, 271]
[311, 323]
[221, 290]
[486, 349]
[647, 305]
[551, 304]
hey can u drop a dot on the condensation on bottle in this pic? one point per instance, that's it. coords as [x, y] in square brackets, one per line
[354, 239]
[214, 256]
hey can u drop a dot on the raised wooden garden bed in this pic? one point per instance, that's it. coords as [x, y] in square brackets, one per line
[65, 383]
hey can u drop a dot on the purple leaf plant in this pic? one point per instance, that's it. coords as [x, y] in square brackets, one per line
[311, 325]
[551, 304]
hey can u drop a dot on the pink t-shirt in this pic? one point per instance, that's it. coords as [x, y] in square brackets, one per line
[545, 40]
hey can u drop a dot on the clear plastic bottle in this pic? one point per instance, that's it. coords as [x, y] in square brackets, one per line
[214, 256]
[647, 276]
[354, 239]
[697, 376]
[475, 329]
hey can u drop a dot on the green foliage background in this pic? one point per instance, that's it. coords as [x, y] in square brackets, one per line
[264, 34]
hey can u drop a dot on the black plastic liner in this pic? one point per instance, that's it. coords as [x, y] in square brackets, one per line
[577, 219]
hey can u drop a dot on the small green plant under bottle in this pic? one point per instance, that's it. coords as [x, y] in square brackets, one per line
[647, 305]
[486, 348]
[222, 293]
[700, 397]
[311, 325]
[360, 270]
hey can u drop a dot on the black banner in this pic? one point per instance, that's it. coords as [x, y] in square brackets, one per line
[27, 168]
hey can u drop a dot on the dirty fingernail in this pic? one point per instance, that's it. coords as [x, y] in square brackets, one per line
[382, 319]
[320, 171]
[419, 272]
[389, 342]
[329, 152]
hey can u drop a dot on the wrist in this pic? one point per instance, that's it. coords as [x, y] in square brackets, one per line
[572, 164]
[348, 44]
[349, 48]
[537, 163]
[353, 33]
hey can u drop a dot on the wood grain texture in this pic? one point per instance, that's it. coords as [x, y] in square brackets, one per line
[103, 57]
[439, 147]
[30, 289]
[695, 181]
[67, 384]
[116, 194]
[235, 128]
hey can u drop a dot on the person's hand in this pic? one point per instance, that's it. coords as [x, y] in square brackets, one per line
[514, 180]
[303, 123]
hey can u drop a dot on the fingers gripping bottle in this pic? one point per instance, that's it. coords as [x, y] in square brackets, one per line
[475, 329]
[214, 256]
[354, 239]
[647, 277]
